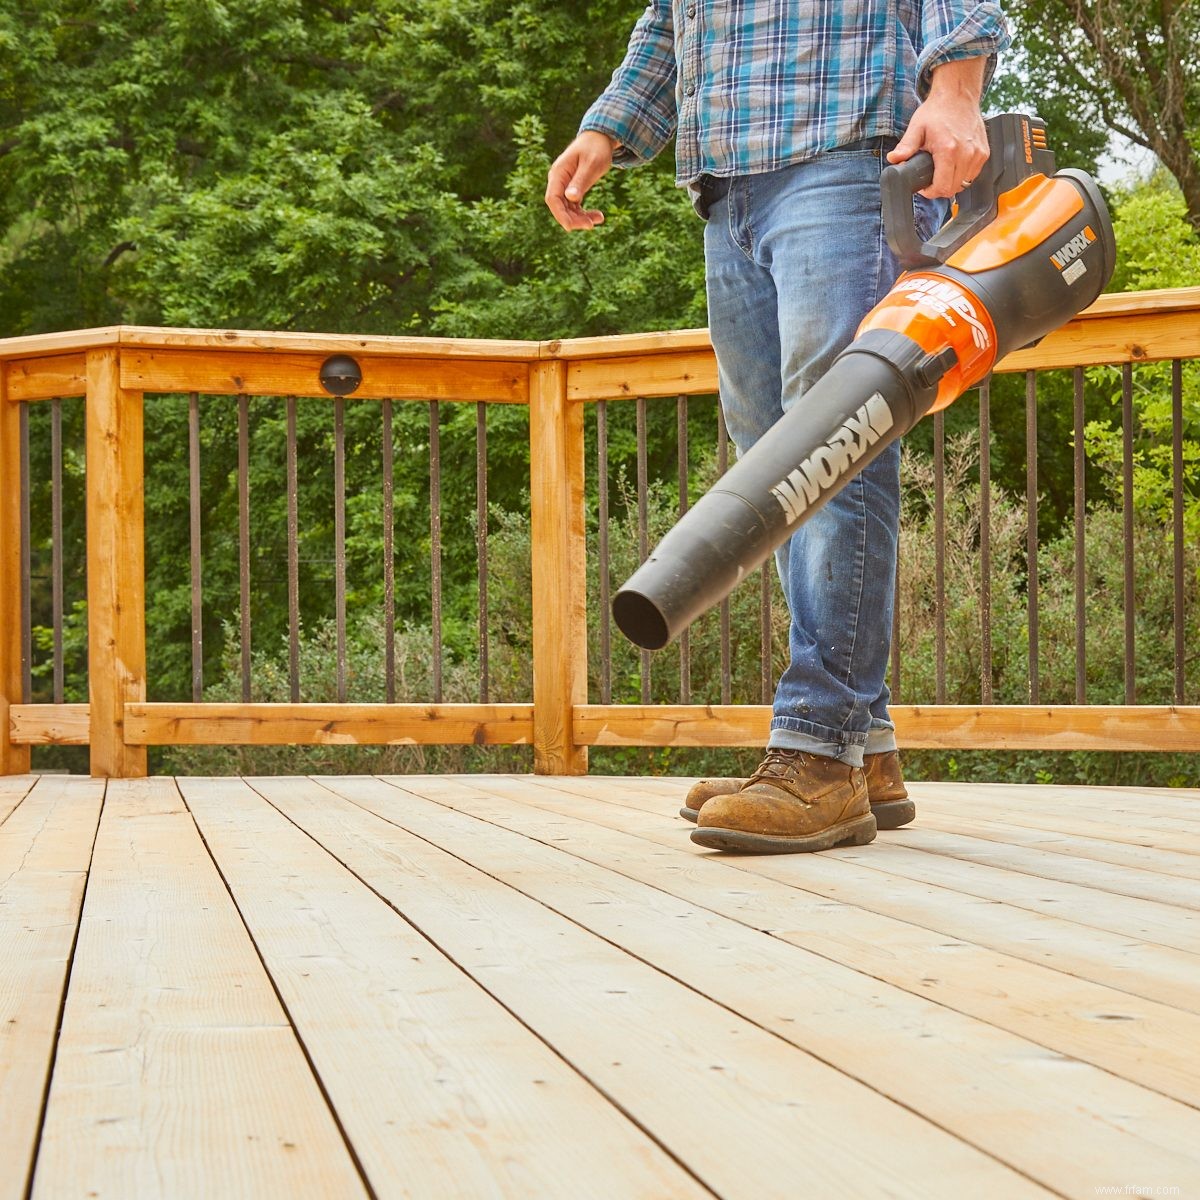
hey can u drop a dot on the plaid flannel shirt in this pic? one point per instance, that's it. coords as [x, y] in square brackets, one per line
[755, 85]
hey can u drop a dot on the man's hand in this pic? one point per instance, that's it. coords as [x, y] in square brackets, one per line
[950, 126]
[583, 163]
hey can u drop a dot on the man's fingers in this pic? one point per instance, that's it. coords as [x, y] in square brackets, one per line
[581, 164]
[976, 162]
[955, 169]
[563, 194]
[904, 149]
[556, 186]
[955, 136]
[955, 166]
[948, 176]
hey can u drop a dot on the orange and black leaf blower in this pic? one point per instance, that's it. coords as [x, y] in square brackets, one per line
[1026, 249]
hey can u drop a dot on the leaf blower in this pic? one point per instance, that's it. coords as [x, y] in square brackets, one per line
[1026, 249]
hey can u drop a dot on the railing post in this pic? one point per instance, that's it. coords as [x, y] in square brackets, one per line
[14, 760]
[116, 575]
[559, 570]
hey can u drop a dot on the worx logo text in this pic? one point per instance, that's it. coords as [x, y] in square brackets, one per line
[1071, 250]
[828, 463]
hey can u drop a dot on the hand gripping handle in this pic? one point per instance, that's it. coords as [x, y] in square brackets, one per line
[900, 182]
[1017, 149]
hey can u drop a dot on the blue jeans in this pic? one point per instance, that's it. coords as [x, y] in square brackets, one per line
[795, 259]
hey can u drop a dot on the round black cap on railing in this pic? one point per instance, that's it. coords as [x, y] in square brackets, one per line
[340, 375]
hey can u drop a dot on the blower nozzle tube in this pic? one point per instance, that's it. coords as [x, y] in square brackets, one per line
[876, 390]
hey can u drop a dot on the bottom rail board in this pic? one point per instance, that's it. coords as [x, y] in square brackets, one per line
[49, 724]
[328, 724]
[918, 727]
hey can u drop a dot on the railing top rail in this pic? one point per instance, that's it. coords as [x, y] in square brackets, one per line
[1160, 300]
[1113, 305]
[1108, 311]
[139, 337]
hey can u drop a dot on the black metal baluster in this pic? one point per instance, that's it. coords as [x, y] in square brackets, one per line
[1127, 525]
[481, 543]
[293, 556]
[685, 645]
[56, 548]
[1180, 615]
[605, 567]
[195, 547]
[244, 538]
[766, 691]
[389, 557]
[1031, 528]
[26, 558]
[722, 467]
[939, 555]
[985, 542]
[435, 543]
[339, 540]
[1080, 549]
[894, 681]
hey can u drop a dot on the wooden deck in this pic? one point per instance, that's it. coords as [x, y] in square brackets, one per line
[452, 987]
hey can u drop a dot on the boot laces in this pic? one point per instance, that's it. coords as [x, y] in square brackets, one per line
[779, 763]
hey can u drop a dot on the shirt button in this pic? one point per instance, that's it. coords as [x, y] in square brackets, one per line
[690, 89]
[691, 12]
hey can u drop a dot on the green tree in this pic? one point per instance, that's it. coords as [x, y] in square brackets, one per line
[1119, 65]
[1157, 248]
[290, 164]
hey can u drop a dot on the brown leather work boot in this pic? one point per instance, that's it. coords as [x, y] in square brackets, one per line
[885, 786]
[794, 802]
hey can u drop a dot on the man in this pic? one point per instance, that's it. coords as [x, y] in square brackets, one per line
[784, 115]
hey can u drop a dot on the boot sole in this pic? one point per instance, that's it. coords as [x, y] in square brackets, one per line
[891, 814]
[858, 832]
[888, 814]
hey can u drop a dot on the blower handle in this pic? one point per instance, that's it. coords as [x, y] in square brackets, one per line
[1017, 149]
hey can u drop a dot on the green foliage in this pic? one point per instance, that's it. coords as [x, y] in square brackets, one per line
[1103, 591]
[1113, 65]
[643, 269]
[1157, 248]
[285, 164]
[1103, 629]
[365, 674]
[380, 168]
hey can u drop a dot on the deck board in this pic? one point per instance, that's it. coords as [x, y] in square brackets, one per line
[1013, 995]
[1158, 860]
[758, 1110]
[45, 850]
[479, 986]
[1153, 972]
[13, 789]
[441, 1090]
[1087, 815]
[1033, 1097]
[171, 1018]
[1137, 883]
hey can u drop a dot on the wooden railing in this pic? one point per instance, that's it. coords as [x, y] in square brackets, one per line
[112, 369]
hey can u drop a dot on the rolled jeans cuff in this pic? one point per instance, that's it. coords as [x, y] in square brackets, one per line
[790, 733]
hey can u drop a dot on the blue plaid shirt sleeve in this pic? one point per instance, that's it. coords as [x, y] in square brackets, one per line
[951, 30]
[638, 107]
[754, 85]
